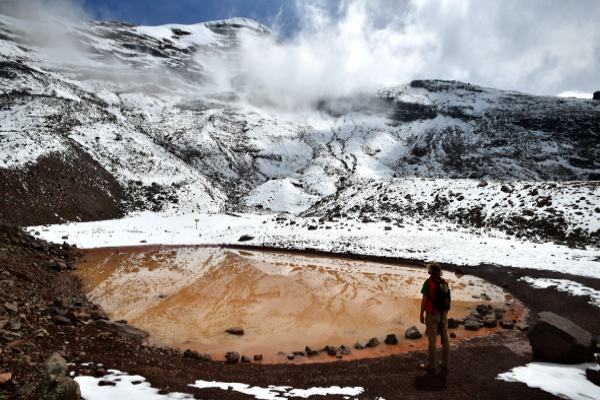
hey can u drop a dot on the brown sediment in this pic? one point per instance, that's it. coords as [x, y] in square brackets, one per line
[187, 297]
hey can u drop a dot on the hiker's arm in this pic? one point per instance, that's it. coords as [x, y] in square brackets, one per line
[423, 306]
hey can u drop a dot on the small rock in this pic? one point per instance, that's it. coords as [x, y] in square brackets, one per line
[453, 323]
[483, 309]
[310, 351]
[345, 350]
[507, 324]
[106, 383]
[245, 238]
[235, 331]
[258, 357]
[412, 333]
[359, 345]
[232, 357]
[522, 327]
[291, 356]
[11, 307]
[373, 342]
[331, 351]
[391, 339]
[197, 356]
[452, 335]
[490, 321]
[472, 325]
[5, 377]
[245, 359]
[60, 320]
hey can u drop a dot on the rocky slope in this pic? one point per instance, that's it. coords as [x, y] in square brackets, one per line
[134, 118]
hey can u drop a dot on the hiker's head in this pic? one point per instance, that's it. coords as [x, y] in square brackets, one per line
[434, 269]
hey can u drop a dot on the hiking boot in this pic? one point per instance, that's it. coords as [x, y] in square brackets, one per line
[430, 371]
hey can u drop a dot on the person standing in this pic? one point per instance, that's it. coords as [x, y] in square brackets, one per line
[434, 314]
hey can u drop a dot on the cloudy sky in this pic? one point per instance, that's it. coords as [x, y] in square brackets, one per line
[536, 46]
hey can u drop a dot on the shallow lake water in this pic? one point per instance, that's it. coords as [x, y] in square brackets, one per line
[188, 297]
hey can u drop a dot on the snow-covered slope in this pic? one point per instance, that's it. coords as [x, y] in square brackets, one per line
[149, 107]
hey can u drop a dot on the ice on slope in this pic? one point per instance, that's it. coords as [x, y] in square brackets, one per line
[278, 195]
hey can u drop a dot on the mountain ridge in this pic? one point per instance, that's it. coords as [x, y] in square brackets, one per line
[143, 104]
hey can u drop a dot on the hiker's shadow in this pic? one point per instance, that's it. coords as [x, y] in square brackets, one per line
[431, 383]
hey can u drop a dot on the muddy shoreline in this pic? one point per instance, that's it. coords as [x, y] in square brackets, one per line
[474, 363]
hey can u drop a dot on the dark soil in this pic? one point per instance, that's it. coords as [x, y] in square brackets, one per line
[59, 188]
[36, 281]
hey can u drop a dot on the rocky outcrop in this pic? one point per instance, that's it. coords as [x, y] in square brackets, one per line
[122, 329]
[55, 385]
[556, 339]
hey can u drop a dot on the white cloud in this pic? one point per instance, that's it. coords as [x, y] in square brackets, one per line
[538, 46]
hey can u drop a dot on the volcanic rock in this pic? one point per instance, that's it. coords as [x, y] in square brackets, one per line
[556, 339]
[453, 323]
[5, 377]
[593, 376]
[245, 238]
[359, 345]
[507, 324]
[490, 321]
[310, 351]
[197, 356]
[235, 331]
[412, 333]
[483, 309]
[472, 325]
[391, 339]
[232, 357]
[54, 384]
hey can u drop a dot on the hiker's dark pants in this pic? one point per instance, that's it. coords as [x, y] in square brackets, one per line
[437, 323]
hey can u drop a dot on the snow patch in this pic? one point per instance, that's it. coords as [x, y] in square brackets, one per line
[565, 285]
[565, 381]
[127, 387]
[279, 392]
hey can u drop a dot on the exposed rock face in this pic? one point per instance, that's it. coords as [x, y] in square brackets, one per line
[121, 329]
[556, 339]
[55, 385]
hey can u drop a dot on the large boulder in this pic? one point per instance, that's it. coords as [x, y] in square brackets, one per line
[597, 95]
[55, 385]
[556, 339]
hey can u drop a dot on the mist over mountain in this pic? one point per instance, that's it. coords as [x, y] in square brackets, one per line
[224, 115]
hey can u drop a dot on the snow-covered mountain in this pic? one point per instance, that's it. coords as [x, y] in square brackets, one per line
[101, 119]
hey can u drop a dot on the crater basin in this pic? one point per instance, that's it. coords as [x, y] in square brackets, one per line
[188, 297]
